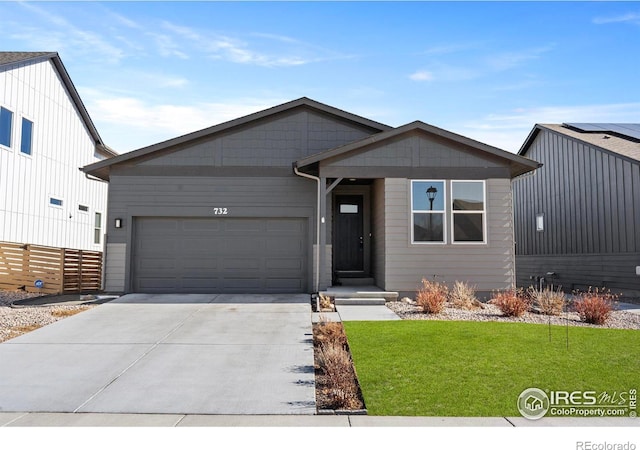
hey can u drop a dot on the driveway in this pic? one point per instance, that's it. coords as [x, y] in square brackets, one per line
[183, 354]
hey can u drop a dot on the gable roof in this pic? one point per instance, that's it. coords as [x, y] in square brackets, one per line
[518, 164]
[8, 59]
[101, 169]
[602, 138]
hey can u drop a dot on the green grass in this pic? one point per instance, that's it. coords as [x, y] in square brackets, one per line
[444, 368]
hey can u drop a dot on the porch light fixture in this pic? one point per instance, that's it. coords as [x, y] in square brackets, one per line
[118, 223]
[431, 195]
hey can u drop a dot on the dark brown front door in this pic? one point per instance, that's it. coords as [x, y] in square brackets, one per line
[348, 244]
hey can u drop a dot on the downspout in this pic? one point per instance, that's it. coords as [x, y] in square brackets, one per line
[318, 222]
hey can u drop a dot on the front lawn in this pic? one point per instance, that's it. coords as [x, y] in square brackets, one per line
[446, 368]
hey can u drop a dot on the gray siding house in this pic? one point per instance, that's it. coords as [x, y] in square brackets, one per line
[578, 217]
[244, 206]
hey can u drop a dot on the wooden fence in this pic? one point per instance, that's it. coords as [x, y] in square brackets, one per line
[61, 270]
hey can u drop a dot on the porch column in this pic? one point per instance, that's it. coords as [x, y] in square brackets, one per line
[322, 222]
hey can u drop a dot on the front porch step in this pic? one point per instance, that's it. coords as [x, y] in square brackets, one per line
[356, 281]
[362, 292]
[359, 301]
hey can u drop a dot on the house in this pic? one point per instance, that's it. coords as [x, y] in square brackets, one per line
[578, 216]
[46, 136]
[244, 206]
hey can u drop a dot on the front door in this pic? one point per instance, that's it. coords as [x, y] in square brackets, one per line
[348, 248]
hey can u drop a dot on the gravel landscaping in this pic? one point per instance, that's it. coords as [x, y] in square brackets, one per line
[17, 321]
[407, 309]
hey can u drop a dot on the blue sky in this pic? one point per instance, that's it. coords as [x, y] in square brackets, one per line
[150, 71]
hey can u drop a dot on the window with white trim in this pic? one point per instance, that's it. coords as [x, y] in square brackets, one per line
[468, 211]
[26, 137]
[6, 126]
[428, 211]
[97, 230]
[54, 201]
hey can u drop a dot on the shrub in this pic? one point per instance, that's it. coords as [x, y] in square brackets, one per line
[462, 295]
[512, 303]
[594, 306]
[432, 296]
[335, 362]
[326, 332]
[325, 303]
[547, 301]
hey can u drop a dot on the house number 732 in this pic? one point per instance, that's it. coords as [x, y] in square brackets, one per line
[220, 211]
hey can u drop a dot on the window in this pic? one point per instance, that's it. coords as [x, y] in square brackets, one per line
[468, 211]
[540, 222]
[55, 201]
[26, 137]
[97, 231]
[348, 209]
[428, 211]
[83, 208]
[6, 124]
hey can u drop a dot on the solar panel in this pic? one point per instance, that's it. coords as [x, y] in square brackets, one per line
[631, 130]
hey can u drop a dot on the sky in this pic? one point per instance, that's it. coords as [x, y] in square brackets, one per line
[150, 71]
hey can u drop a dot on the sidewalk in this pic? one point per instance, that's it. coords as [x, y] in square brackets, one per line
[342, 421]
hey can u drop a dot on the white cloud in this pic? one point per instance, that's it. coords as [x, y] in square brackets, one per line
[253, 49]
[633, 18]
[65, 37]
[421, 75]
[509, 130]
[509, 60]
[127, 123]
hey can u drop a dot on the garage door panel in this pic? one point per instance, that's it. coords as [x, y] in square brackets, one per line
[286, 284]
[220, 255]
[284, 263]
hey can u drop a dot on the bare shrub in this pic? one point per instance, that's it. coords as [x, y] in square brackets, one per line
[432, 296]
[325, 303]
[462, 295]
[594, 306]
[512, 303]
[547, 301]
[335, 362]
[326, 332]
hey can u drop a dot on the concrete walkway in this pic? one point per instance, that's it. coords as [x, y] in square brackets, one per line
[195, 420]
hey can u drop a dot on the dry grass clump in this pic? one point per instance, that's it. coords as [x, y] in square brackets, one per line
[547, 301]
[336, 364]
[463, 296]
[61, 313]
[326, 332]
[512, 303]
[594, 306]
[432, 296]
[339, 380]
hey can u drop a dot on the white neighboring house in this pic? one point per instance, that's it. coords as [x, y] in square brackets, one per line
[46, 136]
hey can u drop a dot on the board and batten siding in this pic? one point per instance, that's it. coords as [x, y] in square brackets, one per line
[590, 199]
[131, 197]
[487, 266]
[60, 146]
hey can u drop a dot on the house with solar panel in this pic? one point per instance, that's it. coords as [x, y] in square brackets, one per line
[577, 218]
[46, 135]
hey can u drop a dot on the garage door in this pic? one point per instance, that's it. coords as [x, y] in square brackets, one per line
[225, 255]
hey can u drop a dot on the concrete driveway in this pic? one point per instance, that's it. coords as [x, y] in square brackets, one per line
[183, 354]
